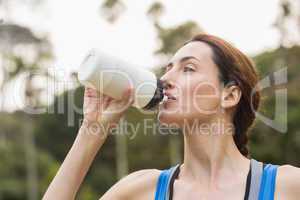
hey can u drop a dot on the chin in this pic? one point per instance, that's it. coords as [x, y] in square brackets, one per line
[180, 119]
[169, 118]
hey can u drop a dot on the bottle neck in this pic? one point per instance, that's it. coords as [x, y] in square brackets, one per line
[157, 97]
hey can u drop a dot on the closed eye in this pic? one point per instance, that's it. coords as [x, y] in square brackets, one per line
[187, 68]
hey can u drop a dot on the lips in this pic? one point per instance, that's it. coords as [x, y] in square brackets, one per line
[170, 96]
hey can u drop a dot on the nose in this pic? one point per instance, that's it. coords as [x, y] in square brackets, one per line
[168, 79]
[167, 83]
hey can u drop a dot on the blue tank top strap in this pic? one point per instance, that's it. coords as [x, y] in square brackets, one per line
[267, 188]
[162, 186]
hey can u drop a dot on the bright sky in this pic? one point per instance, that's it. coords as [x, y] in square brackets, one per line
[76, 26]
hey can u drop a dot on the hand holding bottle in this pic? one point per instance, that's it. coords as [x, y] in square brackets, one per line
[102, 112]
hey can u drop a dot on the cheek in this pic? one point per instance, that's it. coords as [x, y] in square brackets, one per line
[204, 98]
[197, 99]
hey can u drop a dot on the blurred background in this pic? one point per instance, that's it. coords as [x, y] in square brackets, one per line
[42, 43]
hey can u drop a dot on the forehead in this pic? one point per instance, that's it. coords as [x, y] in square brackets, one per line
[197, 49]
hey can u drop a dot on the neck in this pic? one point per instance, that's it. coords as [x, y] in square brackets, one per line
[210, 154]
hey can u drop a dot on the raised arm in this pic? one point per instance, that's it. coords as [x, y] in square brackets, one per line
[101, 113]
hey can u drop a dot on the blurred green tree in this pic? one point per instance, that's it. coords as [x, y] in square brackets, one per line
[24, 53]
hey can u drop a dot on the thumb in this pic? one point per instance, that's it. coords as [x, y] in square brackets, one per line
[128, 95]
[125, 102]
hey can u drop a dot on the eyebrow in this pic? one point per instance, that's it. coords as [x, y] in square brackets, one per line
[183, 60]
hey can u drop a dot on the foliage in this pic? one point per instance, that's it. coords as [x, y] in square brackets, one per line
[281, 147]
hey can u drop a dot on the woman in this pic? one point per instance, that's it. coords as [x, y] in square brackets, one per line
[212, 98]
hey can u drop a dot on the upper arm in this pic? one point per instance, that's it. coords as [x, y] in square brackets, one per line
[288, 182]
[137, 185]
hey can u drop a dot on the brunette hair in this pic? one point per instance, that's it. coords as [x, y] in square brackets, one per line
[235, 66]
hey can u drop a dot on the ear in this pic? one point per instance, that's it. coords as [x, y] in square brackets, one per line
[230, 96]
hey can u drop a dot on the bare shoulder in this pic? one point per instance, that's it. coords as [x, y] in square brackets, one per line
[137, 185]
[288, 182]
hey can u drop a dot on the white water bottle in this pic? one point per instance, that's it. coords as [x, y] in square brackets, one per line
[112, 76]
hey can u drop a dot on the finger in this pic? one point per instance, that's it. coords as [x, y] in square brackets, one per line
[126, 101]
[128, 95]
[90, 92]
[93, 93]
[106, 102]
